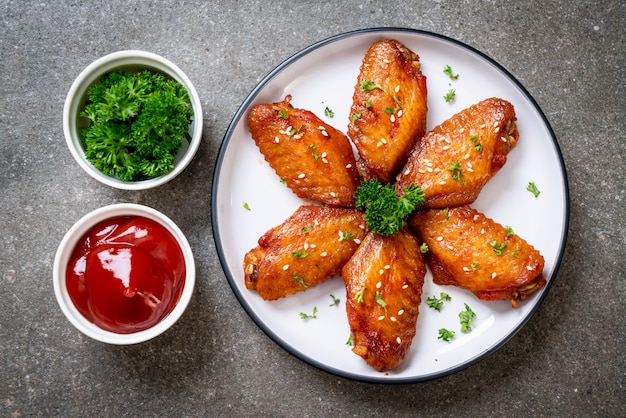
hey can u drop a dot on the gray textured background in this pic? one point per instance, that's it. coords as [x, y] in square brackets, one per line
[567, 361]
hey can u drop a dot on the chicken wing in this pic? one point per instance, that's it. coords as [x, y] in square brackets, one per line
[388, 112]
[384, 280]
[456, 159]
[315, 160]
[311, 246]
[470, 250]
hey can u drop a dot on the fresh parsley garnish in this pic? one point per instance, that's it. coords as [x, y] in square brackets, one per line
[455, 171]
[497, 248]
[246, 206]
[335, 300]
[466, 318]
[385, 211]
[137, 122]
[329, 112]
[445, 334]
[299, 279]
[450, 95]
[381, 302]
[437, 303]
[307, 316]
[424, 248]
[448, 70]
[533, 189]
[359, 295]
[300, 254]
[367, 85]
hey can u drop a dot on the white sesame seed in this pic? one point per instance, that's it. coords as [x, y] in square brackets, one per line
[306, 245]
[324, 160]
[286, 266]
[378, 285]
[348, 165]
[495, 124]
[407, 172]
[276, 140]
[333, 194]
[439, 238]
[321, 128]
[400, 113]
[482, 231]
[497, 129]
[466, 156]
[393, 318]
[302, 175]
[316, 222]
[324, 154]
[400, 312]
[324, 133]
[383, 140]
[503, 139]
[421, 171]
[442, 182]
[340, 233]
[357, 241]
[529, 268]
[397, 89]
[461, 130]
[405, 286]
[428, 163]
[381, 271]
[398, 340]
[482, 126]
[466, 269]
[471, 170]
[445, 147]
[380, 318]
[323, 254]
[430, 170]
[476, 217]
[393, 118]
[387, 267]
[313, 245]
[450, 247]
[379, 144]
[386, 61]
[493, 275]
[297, 137]
[469, 164]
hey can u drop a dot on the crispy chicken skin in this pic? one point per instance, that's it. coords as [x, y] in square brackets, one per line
[311, 246]
[474, 252]
[384, 271]
[316, 160]
[387, 120]
[453, 162]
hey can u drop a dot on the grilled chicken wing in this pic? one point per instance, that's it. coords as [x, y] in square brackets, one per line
[384, 280]
[309, 247]
[467, 249]
[388, 112]
[455, 160]
[316, 160]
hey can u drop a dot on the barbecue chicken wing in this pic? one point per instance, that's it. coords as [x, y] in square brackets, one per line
[309, 247]
[388, 112]
[470, 250]
[314, 159]
[384, 280]
[456, 159]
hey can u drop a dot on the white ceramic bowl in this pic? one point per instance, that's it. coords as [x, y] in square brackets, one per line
[77, 97]
[62, 259]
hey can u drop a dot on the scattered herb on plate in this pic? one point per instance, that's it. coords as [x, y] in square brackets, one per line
[445, 334]
[304, 315]
[533, 189]
[466, 318]
[437, 302]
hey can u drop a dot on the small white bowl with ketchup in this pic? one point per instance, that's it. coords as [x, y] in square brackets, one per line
[124, 274]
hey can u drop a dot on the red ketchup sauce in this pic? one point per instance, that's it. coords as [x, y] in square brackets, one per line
[126, 274]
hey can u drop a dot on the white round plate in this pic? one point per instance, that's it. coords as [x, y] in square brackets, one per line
[248, 199]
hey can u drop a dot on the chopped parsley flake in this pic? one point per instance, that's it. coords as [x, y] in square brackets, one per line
[335, 300]
[359, 295]
[307, 316]
[445, 334]
[299, 279]
[456, 171]
[533, 189]
[367, 85]
[246, 206]
[450, 95]
[329, 112]
[466, 318]
[437, 303]
[448, 70]
[381, 302]
[497, 248]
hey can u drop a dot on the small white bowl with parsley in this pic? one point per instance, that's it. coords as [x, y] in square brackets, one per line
[132, 120]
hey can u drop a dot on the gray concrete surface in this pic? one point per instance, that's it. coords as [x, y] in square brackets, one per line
[567, 361]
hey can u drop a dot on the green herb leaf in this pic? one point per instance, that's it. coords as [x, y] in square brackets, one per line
[307, 316]
[385, 211]
[299, 254]
[466, 318]
[448, 70]
[329, 112]
[367, 85]
[445, 335]
[335, 300]
[456, 171]
[359, 295]
[424, 248]
[246, 206]
[533, 189]
[299, 280]
[450, 95]
[381, 302]
[497, 248]
[437, 303]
